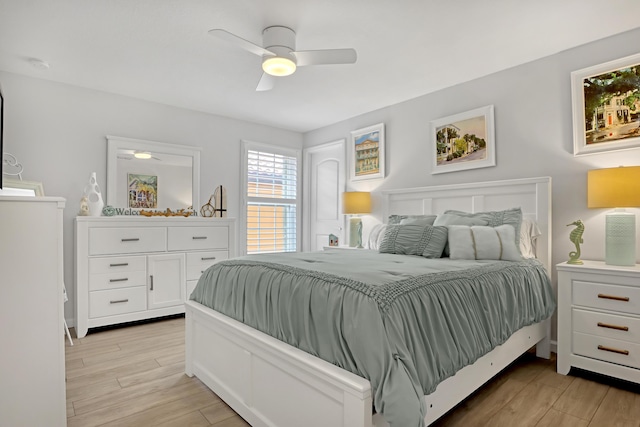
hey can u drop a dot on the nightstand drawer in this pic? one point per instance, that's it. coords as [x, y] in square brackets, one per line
[607, 349]
[106, 241]
[197, 262]
[117, 301]
[606, 325]
[190, 238]
[608, 297]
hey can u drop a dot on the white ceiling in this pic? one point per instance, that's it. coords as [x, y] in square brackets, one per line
[159, 50]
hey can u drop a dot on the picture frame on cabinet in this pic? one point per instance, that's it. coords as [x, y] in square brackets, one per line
[463, 141]
[366, 153]
[606, 106]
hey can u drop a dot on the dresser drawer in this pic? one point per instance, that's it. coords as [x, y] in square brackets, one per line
[197, 262]
[117, 264]
[194, 238]
[618, 298]
[105, 241]
[117, 301]
[606, 325]
[607, 349]
[117, 280]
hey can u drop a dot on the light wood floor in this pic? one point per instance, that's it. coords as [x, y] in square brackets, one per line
[134, 376]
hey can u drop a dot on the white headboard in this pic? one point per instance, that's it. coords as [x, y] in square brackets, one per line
[532, 195]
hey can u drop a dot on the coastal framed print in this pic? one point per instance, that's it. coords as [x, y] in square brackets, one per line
[606, 106]
[366, 153]
[463, 141]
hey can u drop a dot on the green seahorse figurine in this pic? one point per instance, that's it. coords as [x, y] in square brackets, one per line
[576, 238]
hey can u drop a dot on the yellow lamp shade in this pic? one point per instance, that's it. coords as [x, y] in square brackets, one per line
[614, 187]
[356, 202]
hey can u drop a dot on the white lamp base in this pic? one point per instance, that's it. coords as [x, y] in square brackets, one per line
[620, 241]
[355, 232]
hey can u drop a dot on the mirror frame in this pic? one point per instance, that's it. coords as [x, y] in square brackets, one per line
[115, 143]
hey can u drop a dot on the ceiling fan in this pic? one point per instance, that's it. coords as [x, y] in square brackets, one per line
[279, 55]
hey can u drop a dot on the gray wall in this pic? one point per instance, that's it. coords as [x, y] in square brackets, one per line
[58, 132]
[534, 137]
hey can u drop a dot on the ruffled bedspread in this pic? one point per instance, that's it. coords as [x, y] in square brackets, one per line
[405, 323]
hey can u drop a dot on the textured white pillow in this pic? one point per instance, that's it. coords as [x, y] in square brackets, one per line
[483, 242]
[529, 233]
[376, 235]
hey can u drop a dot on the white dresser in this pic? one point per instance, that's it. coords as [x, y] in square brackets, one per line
[132, 268]
[599, 319]
[32, 369]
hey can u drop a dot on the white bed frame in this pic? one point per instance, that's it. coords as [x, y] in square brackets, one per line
[270, 383]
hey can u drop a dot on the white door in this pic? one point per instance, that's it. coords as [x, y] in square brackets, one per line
[167, 280]
[324, 177]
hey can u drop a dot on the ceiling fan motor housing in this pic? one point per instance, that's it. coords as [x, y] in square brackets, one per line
[280, 40]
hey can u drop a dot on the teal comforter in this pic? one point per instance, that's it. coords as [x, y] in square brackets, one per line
[403, 322]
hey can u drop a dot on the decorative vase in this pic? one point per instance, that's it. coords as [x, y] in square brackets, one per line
[94, 196]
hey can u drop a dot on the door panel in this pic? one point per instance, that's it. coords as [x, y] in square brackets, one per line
[167, 280]
[325, 182]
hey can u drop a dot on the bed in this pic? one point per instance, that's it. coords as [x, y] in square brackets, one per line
[271, 383]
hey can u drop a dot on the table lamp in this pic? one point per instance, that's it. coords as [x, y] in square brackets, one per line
[616, 188]
[356, 203]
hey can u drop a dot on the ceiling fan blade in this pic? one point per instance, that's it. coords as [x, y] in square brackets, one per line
[266, 82]
[325, 57]
[240, 42]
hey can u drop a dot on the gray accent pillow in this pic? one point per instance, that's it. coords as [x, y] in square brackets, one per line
[483, 242]
[414, 239]
[447, 219]
[397, 219]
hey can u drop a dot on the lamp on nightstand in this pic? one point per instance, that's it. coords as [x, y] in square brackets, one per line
[356, 203]
[617, 188]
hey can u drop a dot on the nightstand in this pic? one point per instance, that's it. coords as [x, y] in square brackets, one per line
[599, 319]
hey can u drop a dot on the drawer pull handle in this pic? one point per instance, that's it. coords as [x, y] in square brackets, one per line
[151, 282]
[613, 350]
[133, 239]
[207, 258]
[118, 301]
[122, 264]
[619, 328]
[199, 237]
[124, 279]
[614, 297]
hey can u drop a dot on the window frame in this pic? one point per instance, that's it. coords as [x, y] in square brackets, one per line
[244, 198]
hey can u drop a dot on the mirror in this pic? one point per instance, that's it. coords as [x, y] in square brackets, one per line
[152, 175]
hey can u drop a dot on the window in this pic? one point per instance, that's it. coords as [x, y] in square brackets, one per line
[272, 198]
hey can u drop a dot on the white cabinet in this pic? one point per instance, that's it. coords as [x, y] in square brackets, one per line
[599, 319]
[32, 369]
[134, 268]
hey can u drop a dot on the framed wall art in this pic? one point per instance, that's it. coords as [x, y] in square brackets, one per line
[463, 141]
[606, 106]
[366, 153]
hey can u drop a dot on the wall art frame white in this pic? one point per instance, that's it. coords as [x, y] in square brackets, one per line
[366, 153]
[606, 106]
[475, 129]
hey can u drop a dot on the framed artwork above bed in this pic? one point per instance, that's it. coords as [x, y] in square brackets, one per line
[463, 141]
[366, 153]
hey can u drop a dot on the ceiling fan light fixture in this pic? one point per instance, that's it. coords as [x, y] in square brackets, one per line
[144, 155]
[278, 66]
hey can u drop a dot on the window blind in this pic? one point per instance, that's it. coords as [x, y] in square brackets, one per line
[272, 202]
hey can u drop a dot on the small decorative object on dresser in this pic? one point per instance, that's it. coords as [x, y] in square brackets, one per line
[576, 239]
[208, 209]
[94, 196]
[220, 196]
[84, 207]
[599, 319]
[109, 211]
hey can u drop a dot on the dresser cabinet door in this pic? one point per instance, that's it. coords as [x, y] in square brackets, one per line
[166, 281]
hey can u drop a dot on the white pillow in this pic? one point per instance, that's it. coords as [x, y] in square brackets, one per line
[375, 236]
[529, 232]
[483, 242]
